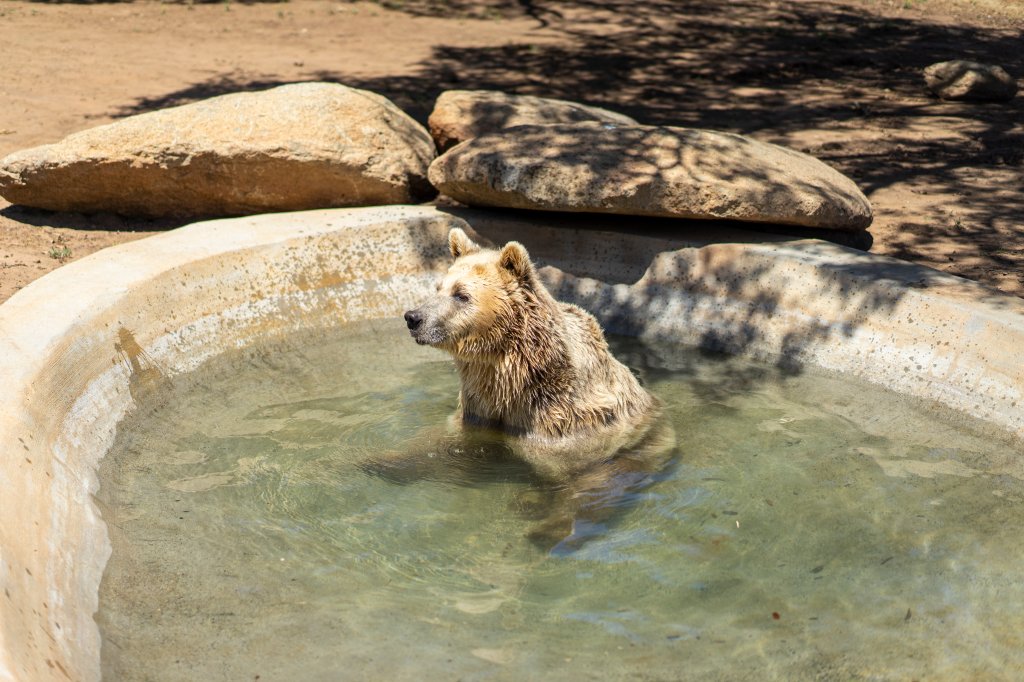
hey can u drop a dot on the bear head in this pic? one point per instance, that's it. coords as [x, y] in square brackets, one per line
[479, 301]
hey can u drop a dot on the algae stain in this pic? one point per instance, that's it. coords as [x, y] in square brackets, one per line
[145, 374]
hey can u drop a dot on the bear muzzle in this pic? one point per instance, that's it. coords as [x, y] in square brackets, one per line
[424, 332]
[413, 320]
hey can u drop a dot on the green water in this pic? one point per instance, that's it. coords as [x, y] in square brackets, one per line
[809, 527]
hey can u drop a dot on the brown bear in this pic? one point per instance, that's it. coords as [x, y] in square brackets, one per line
[536, 370]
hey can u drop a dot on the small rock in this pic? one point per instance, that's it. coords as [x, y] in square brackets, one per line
[965, 80]
[294, 147]
[460, 115]
[649, 171]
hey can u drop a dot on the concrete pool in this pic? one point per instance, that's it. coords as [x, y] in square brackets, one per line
[81, 347]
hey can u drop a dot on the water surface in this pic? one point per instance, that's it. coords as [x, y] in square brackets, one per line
[809, 527]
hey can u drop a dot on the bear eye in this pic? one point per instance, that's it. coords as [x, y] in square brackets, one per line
[460, 296]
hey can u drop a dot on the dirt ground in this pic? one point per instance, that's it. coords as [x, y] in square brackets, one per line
[840, 79]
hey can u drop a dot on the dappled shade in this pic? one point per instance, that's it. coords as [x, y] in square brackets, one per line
[837, 80]
[460, 115]
[649, 171]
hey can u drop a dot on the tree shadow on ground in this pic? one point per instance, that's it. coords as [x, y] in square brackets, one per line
[767, 69]
[773, 71]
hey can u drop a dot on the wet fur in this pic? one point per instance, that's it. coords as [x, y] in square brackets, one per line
[539, 385]
[533, 368]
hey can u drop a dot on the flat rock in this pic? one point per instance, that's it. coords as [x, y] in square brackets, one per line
[649, 171]
[294, 147]
[460, 115]
[965, 80]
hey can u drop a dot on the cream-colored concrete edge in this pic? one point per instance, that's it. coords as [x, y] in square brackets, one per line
[79, 347]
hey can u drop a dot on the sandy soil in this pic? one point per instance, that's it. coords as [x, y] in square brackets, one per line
[837, 78]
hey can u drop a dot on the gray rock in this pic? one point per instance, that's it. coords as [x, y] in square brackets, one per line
[294, 147]
[964, 80]
[460, 115]
[649, 171]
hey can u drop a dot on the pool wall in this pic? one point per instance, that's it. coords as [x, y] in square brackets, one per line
[82, 346]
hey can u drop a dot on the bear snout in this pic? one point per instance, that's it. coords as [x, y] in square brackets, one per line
[413, 320]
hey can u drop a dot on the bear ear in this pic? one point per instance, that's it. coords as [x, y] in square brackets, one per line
[459, 244]
[516, 260]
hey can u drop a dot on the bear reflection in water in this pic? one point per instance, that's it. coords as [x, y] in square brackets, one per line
[541, 396]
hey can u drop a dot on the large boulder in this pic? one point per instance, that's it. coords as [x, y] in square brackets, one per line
[294, 147]
[460, 115]
[649, 171]
[965, 80]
